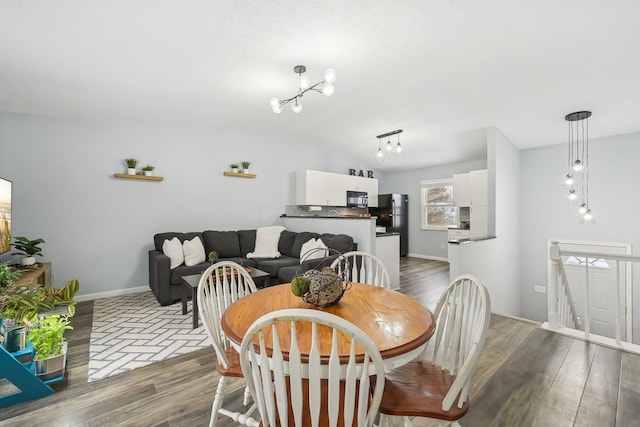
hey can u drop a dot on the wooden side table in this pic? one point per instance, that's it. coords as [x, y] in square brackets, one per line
[37, 274]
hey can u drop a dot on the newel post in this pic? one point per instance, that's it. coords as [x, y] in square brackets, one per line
[552, 285]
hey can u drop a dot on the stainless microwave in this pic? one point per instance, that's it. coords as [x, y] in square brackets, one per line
[357, 199]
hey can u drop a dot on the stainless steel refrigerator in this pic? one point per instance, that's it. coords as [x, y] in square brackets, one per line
[393, 214]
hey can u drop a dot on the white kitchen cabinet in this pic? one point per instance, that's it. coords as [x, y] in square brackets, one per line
[479, 193]
[462, 189]
[479, 221]
[320, 188]
[330, 189]
[470, 189]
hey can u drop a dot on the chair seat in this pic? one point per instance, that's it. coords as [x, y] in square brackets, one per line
[418, 389]
[234, 369]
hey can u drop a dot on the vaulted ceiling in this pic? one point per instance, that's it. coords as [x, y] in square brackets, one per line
[440, 70]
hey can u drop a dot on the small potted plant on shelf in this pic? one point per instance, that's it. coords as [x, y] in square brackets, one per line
[245, 166]
[234, 167]
[148, 170]
[131, 166]
[28, 249]
[47, 336]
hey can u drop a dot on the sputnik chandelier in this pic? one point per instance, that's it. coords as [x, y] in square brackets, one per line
[325, 87]
[389, 147]
[577, 177]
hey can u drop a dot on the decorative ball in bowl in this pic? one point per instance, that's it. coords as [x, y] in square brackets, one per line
[322, 285]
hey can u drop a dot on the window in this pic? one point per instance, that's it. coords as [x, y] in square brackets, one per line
[438, 210]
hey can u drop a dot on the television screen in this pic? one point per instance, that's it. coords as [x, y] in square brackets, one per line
[5, 215]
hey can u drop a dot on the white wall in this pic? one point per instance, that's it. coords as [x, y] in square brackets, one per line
[427, 243]
[98, 229]
[613, 192]
[497, 262]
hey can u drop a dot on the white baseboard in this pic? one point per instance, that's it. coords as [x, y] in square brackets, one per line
[117, 292]
[435, 258]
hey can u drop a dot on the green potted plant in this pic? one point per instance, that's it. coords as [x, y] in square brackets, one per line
[47, 337]
[213, 256]
[8, 275]
[234, 167]
[148, 170]
[131, 166]
[245, 166]
[28, 249]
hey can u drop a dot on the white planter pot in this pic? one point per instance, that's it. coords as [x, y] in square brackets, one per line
[131, 171]
[27, 260]
[245, 170]
[234, 170]
[148, 173]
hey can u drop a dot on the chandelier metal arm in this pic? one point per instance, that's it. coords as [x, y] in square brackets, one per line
[301, 93]
[384, 135]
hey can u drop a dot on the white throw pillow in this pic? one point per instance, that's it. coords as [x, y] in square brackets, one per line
[193, 251]
[311, 250]
[267, 239]
[173, 249]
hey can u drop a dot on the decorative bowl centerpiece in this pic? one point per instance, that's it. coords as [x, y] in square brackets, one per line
[321, 286]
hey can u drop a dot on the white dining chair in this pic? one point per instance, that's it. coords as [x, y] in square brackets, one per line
[362, 267]
[436, 385]
[294, 385]
[220, 286]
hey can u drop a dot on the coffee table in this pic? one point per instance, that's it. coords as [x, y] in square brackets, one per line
[190, 288]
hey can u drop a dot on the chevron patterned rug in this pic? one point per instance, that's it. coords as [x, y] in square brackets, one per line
[131, 331]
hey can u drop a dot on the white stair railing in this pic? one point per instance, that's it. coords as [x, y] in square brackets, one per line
[562, 315]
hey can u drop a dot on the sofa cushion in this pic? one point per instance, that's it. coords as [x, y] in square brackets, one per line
[301, 239]
[226, 243]
[285, 244]
[159, 238]
[339, 242]
[286, 274]
[242, 261]
[193, 251]
[173, 249]
[267, 239]
[247, 241]
[273, 265]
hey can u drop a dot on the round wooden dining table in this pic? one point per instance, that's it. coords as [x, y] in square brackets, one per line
[398, 325]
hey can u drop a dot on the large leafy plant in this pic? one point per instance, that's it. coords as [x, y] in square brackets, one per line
[23, 304]
[47, 335]
[27, 247]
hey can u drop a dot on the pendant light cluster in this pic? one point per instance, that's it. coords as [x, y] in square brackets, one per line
[577, 177]
[325, 87]
[389, 148]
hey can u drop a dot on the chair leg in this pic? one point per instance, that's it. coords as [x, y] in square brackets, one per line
[247, 396]
[217, 401]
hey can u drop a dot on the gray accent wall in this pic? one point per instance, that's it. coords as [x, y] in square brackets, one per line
[98, 229]
[614, 194]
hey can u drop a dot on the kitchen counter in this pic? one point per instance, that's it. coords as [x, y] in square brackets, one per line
[327, 217]
[470, 240]
[362, 229]
[389, 233]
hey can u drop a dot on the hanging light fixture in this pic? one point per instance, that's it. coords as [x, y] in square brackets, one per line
[397, 150]
[577, 177]
[325, 87]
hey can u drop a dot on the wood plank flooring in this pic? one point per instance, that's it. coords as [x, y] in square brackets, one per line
[525, 377]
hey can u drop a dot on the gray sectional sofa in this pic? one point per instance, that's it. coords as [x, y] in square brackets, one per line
[234, 245]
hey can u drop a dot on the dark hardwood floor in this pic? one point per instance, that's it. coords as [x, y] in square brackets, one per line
[525, 377]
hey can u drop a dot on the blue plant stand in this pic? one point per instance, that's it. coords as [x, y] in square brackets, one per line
[23, 376]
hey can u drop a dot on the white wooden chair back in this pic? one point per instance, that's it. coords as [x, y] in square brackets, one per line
[462, 317]
[221, 284]
[363, 267]
[278, 382]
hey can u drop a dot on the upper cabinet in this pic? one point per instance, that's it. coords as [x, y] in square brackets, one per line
[330, 189]
[470, 189]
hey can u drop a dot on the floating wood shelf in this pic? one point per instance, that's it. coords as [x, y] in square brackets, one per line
[241, 175]
[143, 177]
